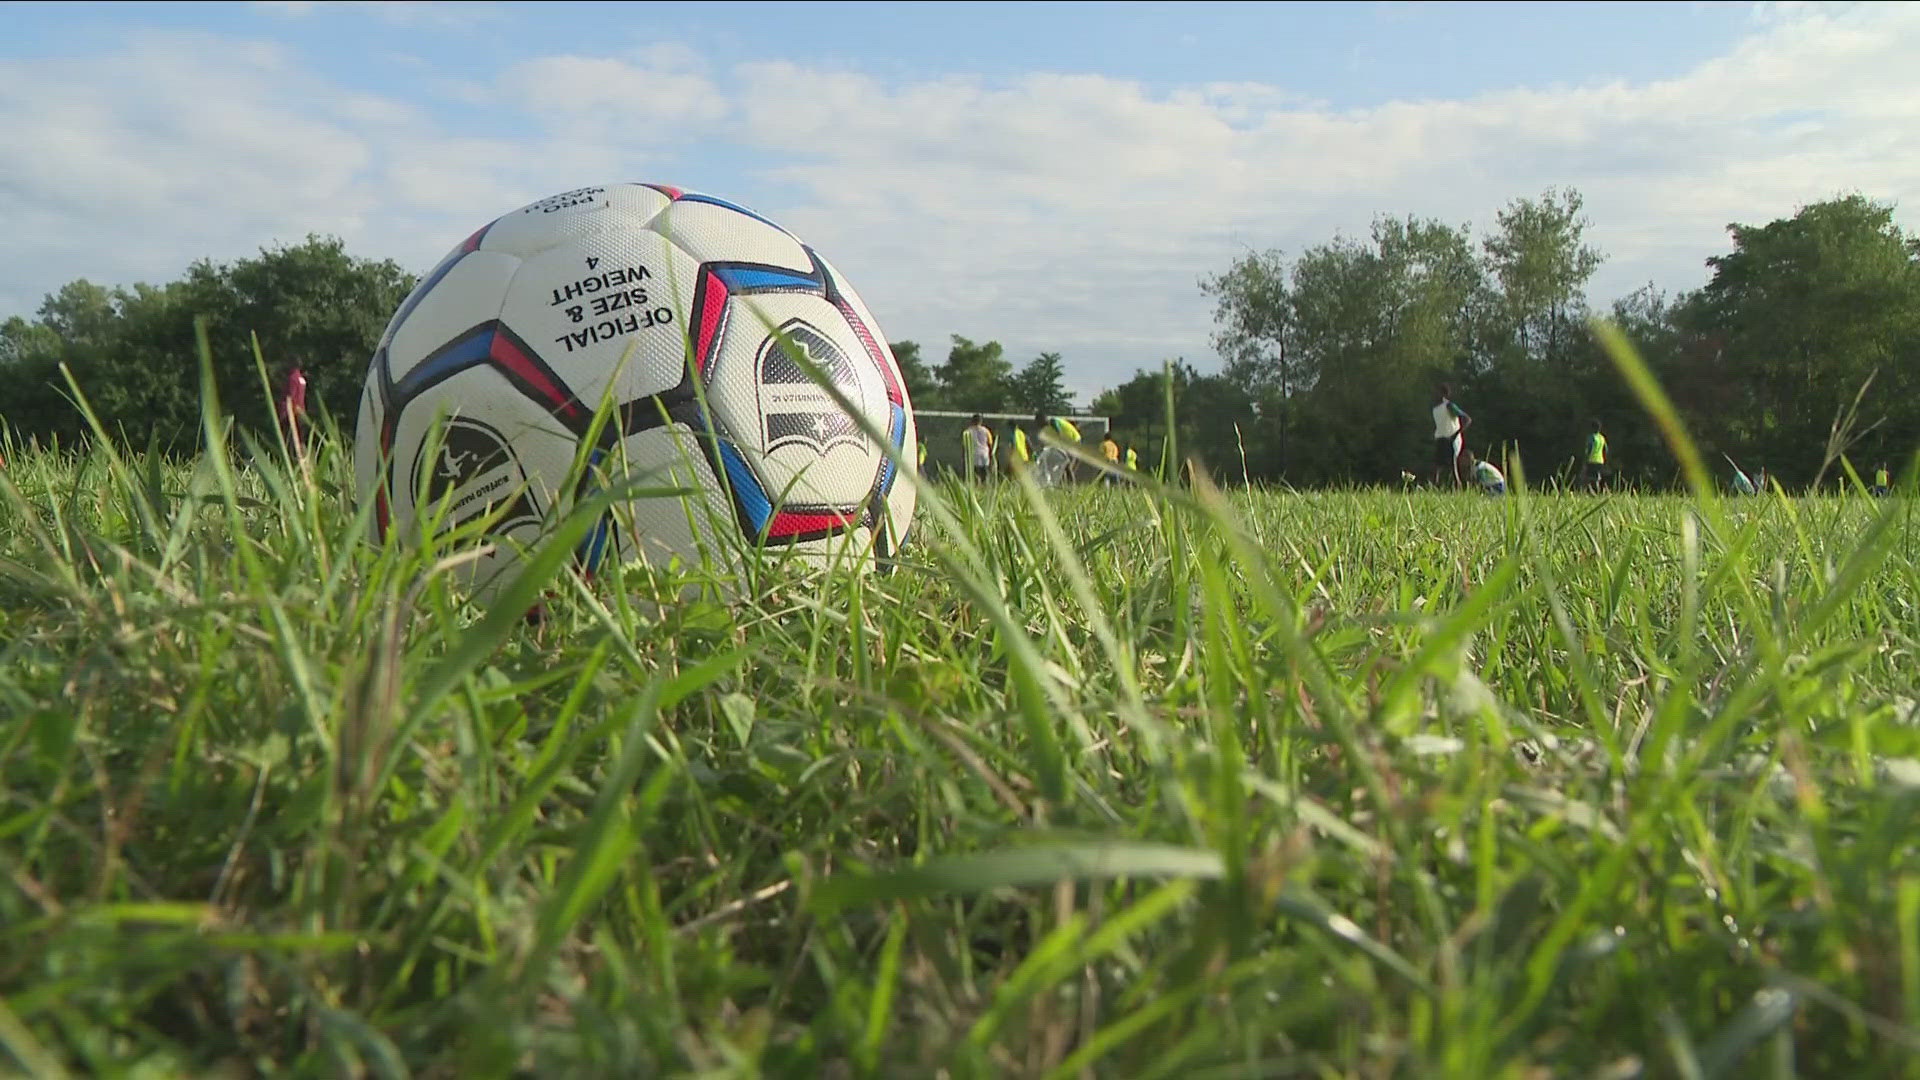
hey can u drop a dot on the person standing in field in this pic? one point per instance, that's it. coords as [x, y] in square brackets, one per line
[977, 443]
[1133, 457]
[1882, 481]
[1450, 423]
[1593, 470]
[1110, 450]
[293, 408]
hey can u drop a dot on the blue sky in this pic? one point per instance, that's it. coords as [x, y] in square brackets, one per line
[1056, 176]
[1344, 54]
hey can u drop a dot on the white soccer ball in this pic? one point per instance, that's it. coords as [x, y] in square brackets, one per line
[686, 314]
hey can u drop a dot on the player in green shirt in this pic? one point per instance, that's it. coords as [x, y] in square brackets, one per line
[1882, 481]
[1593, 471]
[1067, 430]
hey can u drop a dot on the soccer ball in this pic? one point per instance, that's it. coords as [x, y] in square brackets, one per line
[681, 322]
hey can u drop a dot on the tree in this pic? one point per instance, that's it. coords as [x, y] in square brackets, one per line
[1253, 317]
[21, 340]
[1636, 449]
[32, 402]
[1371, 326]
[1537, 366]
[1799, 315]
[133, 353]
[1040, 387]
[921, 389]
[309, 303]
[82, 312]
[1213, 417]
[1542, 263]
[975, 377]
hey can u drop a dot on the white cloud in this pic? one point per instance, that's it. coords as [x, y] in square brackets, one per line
[1069, 212]
[184, 147]
[127, 167]
[599, 97]
[1077, 212]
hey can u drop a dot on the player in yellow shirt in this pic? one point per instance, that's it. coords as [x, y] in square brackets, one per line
[1882, 481]
[1593, 470]
[1110, 450]
[1067, 431]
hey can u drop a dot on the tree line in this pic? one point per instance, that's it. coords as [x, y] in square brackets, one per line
[978, 377]
[1804, 342]
[133, 351]
[134, 355]
[1330, 354]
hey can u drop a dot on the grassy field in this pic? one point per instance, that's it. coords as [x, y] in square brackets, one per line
[1124, 783]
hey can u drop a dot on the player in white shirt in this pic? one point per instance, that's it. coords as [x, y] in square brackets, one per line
[977, 441]
[1490, 479]
[1449, 425]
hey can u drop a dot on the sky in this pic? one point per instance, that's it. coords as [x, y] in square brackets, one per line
[1056, 177]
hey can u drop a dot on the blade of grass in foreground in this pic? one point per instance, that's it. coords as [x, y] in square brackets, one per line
[1018, 867]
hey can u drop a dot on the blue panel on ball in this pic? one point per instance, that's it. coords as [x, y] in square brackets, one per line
[897, 431]
[746, 488]
[594, 546]
[753, 278]
[469, 350]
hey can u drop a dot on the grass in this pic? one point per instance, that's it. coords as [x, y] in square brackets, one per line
[1123, 782]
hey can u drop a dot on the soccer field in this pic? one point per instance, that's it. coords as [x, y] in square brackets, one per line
[1097, 782]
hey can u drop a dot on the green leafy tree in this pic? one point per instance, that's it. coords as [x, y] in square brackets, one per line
[132, 350]
[1541, 263]
[312, 304]
[976, 376]
[1040, 386]
[1252, 315]
[1253, 318]
[1535, 372]
[1371, 326]
[921, 388]
[1647, 317]
[1214, 419]
[1797, 317]
[32, 399]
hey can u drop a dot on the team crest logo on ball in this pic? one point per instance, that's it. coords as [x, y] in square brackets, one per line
[476, 466]
[794, 409]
